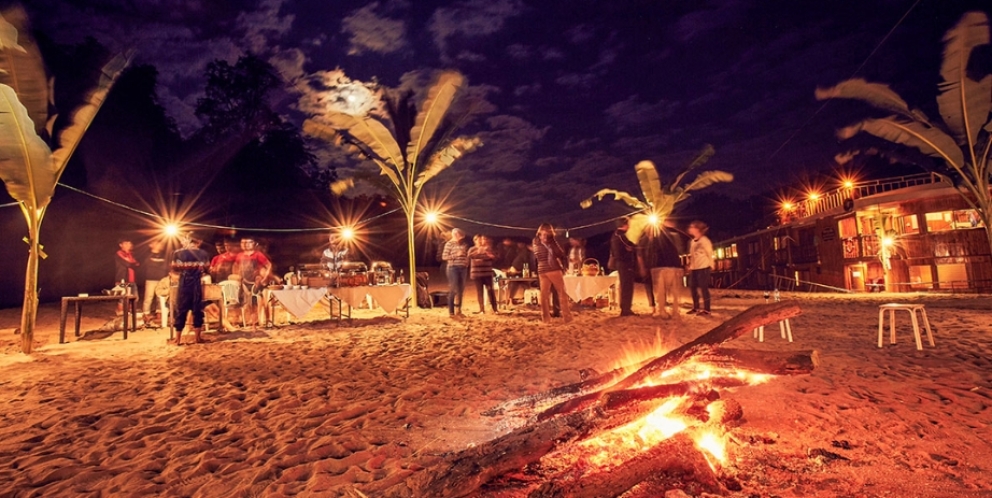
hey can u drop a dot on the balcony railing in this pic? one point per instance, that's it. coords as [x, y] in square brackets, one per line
[834, 200]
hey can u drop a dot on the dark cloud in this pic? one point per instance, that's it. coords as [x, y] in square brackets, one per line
[471, 19]
[634, 112]
[370, 32]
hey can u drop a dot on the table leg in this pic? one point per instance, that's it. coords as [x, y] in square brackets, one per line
[892, 326]
[79, 315]
[926, 323]
[126, 306]
[916, 330]
[881, 326]
[62, 316]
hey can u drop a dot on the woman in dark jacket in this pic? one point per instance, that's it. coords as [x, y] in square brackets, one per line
[550, 263]
[481, 258]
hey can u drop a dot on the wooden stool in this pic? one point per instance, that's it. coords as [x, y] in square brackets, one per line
[911, 308]
[783, 326]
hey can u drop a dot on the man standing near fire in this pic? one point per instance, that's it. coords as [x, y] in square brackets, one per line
[190, 263]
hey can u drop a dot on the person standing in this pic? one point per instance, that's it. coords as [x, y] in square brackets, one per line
[222, 264]
[700, 266]
[254, 268]
[190, 263]
[576, 254]
[455, 257]
[125, 266]
[623, 259]
[334, 254]
[481, 258]
[156, 268]
[665, 264]
[550, 263]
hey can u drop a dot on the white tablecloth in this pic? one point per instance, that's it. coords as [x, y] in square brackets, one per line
[299, 302]
[388, 297]
[579, 288]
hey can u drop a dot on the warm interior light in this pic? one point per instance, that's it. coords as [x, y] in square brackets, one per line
[171, 230]
[431, 217]
[888, 241]
[347, 233]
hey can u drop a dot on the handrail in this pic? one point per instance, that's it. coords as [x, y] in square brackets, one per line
[835, 198]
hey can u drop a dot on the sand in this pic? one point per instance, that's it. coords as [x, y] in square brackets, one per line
[317, 409]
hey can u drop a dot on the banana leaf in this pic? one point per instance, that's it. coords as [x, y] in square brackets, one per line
[367, 130]
[964, 103]
[875, 94]
[647, 176]
[445, 157]
[930, 141]
[435, 107]
[704, 155]
[636, 227]
[707, 178]
[26, 164]
[23, 68]
[83, 116]
[8, 36]
[624, 197]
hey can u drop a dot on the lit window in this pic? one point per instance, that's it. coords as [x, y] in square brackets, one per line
[909, 224]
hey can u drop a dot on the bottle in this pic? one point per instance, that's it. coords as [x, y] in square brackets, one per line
[526, 272]
[401, 279]
[778, 296]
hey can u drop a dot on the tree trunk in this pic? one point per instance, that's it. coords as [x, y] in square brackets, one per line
[411, 247]
[29, 311]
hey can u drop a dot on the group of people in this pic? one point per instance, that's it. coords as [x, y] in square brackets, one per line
[186, 269]
[656, 260]
[544, 257]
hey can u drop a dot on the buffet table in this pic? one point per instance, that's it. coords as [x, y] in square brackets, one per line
[298, 302]
[388, 297]
[506, 285]
[579, 288]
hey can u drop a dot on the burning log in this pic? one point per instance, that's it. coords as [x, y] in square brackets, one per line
[677, 454]
[616, 407]
[737, 326]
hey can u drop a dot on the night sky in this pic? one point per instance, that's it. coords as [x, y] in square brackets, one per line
[580, 90]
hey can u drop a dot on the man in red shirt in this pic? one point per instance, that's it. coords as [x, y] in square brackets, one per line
[254, 269]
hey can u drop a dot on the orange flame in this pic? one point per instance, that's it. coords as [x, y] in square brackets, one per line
[716, 446]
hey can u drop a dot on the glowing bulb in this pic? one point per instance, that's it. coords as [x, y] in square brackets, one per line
[347, 233]
[787, 206]
[171, 230]
[814, 196]
[848, 184]
[653, 219]
[431, 217]
[888, 241]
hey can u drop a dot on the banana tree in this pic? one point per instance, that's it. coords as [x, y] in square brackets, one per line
[660, 200]
[961, 144]
[29, 168]
[378, 139]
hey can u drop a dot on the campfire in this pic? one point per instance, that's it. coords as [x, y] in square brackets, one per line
[662, 418]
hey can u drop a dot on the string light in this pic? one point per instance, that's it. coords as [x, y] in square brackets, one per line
[348, 233]
[653, 219]
[171, 230]
[431, 217]
[324, 229]
[814, 196]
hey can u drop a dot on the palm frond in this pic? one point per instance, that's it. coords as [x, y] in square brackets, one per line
[445, 157]
[929, 141]
[22, 68]
[704, 155]
[618, 195]
[875, 94]
[647, 176]
[964, 103]
[439, 98]
[26, 165]
[83, 116]
[707, 178]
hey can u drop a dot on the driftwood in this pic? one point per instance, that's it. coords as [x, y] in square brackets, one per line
[464, 473]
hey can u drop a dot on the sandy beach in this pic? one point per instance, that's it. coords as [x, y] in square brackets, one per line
[317, 409]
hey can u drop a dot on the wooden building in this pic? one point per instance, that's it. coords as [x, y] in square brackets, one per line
[912, 233]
